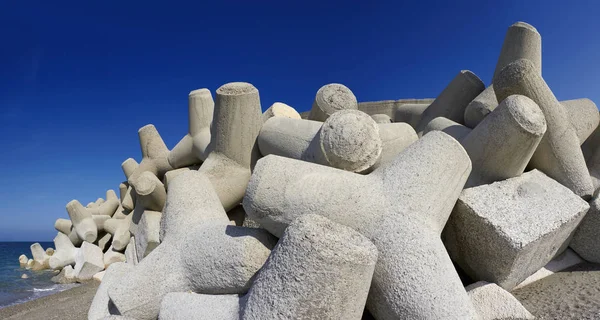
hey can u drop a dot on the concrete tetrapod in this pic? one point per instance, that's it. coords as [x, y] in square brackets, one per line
[119, 228]
[83, 222]
[89, 260]
[145, 219]
[108, 206]
[522, 41]
[401, 207]
[64, 254]
[154, 155]
[501, 146]
[279, 109]
[495, 303]
[319, 270]
[237, 121]
[331, 98]
[40, 258]
[348, 140]
[198, 252]
[558, 154]
[100, 305]
[194, 147]
[23, 261]
[451, 103]
[505, 231]
[129, 166]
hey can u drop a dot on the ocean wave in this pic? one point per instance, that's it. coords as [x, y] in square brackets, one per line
[44, 289]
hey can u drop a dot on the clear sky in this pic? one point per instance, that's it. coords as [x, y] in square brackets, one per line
[77, 80]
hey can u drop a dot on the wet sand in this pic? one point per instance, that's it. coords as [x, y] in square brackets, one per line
[71, 304]
[573, 293]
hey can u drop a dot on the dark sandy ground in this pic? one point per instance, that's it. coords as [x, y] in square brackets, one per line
[71, 304]
[573, 293]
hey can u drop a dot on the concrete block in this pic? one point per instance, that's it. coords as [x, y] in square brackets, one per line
[561, 262]
[451, 103]
[194, 147]
[65, 252]
[50, 252]
[495, 303]
[319, 270]
[414, 277]
[100, 305]
[331, 98]
[193, 306]
[88, 262]
[236, 123]
[501, 146]
[103, 241]
[279, 109]
[506, 231]
[198, 252]
[558, 154]
[585, 241]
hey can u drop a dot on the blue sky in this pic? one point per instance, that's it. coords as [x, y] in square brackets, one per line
[78, 79]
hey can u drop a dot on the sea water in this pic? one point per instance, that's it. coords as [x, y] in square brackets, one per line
[14, 289]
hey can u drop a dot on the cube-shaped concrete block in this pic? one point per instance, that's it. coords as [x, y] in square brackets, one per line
[586, 240]
[505, 231]
[89, 260]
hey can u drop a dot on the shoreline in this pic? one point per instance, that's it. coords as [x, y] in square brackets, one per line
[71, 304]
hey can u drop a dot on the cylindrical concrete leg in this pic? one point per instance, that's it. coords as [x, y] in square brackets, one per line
[82, 220]
[558, 154]
[522, 41]
[63, 225]
[480, 107]
[451, 128]
[279, 109]
[320, 270]
[451, 103]
[331, 98]
[501, 146]
[150, 192]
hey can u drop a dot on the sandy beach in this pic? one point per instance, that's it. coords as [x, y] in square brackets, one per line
[70, 304]
[570, 294]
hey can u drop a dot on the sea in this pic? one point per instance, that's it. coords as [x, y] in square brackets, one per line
[14, 289]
